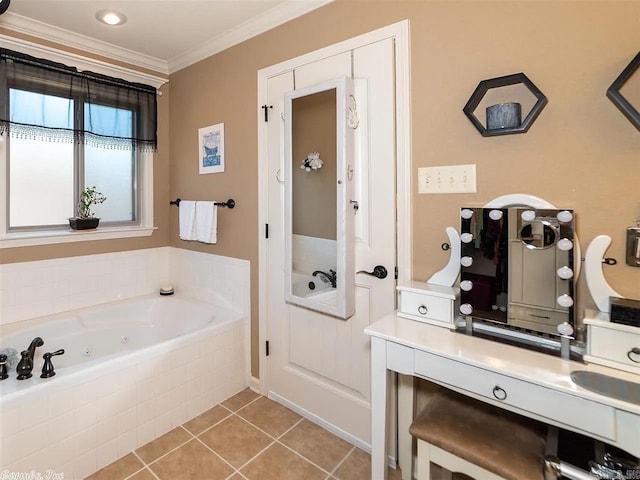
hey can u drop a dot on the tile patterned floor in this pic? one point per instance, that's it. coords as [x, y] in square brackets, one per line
[247, 437]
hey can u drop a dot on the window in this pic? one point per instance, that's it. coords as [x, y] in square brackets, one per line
[62, 130]
[45, 168]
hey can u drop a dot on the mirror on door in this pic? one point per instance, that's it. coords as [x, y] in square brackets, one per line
[518, 267]
[318, 219]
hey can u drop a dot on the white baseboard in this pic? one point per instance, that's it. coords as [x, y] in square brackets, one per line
[327, 426]
[254, 385]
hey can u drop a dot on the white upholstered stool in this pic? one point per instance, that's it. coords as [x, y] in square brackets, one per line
[484, 442]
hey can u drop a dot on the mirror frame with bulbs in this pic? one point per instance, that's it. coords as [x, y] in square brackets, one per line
[531, 325]
[337, 301]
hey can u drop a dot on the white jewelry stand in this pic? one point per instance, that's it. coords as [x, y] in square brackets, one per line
[597, 284]
[449, 274]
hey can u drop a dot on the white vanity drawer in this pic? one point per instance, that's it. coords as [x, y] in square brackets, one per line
[423, 307]
[549, 404]
[612, 345]
[427, 303]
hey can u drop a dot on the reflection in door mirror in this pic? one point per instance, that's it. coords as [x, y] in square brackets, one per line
[319, 246]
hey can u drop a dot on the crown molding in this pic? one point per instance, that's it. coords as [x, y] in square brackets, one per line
[50, 33]
[80, 62]
[270, 19]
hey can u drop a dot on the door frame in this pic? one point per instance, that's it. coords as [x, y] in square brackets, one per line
[400, 33]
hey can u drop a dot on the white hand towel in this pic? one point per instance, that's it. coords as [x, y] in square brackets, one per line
[206, 224]
[187, 210]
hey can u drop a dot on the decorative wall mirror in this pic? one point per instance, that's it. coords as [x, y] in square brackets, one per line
[319, 220]
[518, 267]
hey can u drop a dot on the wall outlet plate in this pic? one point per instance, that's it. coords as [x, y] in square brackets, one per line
[447, 179]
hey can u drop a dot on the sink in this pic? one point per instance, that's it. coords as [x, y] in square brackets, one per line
[608, 386]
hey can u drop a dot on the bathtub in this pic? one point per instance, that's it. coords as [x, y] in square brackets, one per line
[301, 285]
[131, 371]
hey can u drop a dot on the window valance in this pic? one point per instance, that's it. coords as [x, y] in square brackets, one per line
[47, 100]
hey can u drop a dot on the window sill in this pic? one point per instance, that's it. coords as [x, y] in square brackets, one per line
[27, 239]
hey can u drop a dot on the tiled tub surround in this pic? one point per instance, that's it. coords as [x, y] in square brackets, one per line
[78, 423]
[34, 289]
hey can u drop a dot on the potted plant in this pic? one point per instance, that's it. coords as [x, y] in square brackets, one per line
[84, 219]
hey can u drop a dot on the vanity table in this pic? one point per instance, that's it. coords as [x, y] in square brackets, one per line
[532, 384]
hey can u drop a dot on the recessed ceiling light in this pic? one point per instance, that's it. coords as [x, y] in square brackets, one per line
[4, 4]
[110, 17]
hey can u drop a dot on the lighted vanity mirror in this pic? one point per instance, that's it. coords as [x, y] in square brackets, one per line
[518, 267]
[319, 220]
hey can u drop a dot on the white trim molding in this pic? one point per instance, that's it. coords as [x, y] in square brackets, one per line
[80, 62]
[272, 18]
[47, 32]
[275, 16]
[400, 33]
[47, 237]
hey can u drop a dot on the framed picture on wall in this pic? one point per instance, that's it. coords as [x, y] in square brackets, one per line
[211, 149]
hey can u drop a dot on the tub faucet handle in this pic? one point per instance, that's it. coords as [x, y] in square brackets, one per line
[47, 368]
[25, 366]
[3, 367]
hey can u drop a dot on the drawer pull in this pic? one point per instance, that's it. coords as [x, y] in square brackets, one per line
[499, 393]
[422, 310]
[633, 351]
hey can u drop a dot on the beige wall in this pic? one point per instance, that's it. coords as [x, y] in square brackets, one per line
[581, 153]
[314, 193]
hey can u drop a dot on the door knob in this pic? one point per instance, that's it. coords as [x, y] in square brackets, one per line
[378, 271]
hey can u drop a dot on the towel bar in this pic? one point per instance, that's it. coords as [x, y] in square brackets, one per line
[231, 203]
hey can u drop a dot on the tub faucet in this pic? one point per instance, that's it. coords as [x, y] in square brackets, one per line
[330, 277]
[25, 366]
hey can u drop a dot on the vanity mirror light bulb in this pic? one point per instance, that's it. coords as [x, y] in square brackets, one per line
[466, 309]
[466, 238]
[466, 213]
[495, 214]
[565, 328]
[565, 216]
[466, 285]
[565, 244]
[565, 301]
[565, 273]
[528, 215]
[466, 261]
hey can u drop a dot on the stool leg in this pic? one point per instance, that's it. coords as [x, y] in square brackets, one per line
[423, 463]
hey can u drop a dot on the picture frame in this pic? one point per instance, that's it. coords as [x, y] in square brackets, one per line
[623, 104]
[211, 149]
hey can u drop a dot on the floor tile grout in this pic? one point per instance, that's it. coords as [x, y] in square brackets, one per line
[353, 448]
[216, 453]
[273, 440]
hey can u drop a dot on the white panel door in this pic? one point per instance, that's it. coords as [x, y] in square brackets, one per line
[319, 364]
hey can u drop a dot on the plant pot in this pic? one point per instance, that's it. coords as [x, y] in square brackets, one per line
[84, 223]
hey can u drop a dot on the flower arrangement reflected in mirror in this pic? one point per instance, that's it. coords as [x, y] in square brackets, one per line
[312, 162]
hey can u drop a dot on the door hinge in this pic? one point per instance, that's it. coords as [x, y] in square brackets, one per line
[266, 348]
[266, 230]
[395, 272]
[266, 111]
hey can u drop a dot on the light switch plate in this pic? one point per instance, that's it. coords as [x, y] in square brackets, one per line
[447, 179]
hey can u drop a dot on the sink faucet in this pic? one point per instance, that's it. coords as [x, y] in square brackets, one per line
[25, 366]
[329, 277]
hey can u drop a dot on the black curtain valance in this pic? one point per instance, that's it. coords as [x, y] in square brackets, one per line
[105, 111]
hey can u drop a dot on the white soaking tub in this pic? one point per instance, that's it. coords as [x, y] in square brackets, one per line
[131, 371]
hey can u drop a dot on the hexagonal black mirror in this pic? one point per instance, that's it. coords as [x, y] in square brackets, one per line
[618, 99]
[504, 118]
